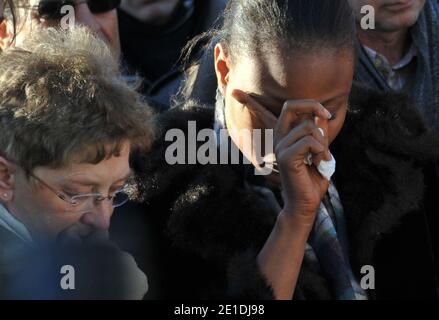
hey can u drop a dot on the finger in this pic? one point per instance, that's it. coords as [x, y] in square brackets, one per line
[291, 112]
[323, 124]
[305, 128]
[262, 113]
[300, 150]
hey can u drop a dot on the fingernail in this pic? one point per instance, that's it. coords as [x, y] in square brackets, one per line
[328, 114]
[321, 131]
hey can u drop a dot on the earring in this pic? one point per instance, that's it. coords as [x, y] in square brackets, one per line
[220, 100]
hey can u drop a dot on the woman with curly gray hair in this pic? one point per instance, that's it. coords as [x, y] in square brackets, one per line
[69, 123]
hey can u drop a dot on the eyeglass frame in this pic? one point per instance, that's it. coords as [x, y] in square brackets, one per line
[97, 196]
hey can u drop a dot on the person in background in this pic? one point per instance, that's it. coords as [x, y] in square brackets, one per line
[402, 52]
[99, 16]
[153, 33]
[69, 123]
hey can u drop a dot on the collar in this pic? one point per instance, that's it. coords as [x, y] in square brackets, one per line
[382, 61]
[8, 221]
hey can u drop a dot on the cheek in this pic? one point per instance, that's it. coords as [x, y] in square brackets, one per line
[58, 222]
[240, 124]
[48, 215]
[239, 116]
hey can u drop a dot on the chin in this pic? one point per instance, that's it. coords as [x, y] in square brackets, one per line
[404, 20]
[399, 23]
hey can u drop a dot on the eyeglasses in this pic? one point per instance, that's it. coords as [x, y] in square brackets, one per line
[82, 203]
[51, 9]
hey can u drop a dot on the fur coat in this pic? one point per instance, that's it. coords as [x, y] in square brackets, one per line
[207, 227]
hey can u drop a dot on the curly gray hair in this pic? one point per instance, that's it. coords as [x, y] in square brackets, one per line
[62, 95]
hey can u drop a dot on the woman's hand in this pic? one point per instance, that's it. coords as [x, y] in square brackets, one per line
[296, 135]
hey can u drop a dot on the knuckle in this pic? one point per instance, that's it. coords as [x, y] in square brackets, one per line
[308, 140]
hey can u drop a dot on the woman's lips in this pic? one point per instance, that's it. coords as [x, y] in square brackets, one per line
[400, 5]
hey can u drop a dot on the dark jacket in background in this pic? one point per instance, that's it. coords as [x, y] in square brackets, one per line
[425, 91]
[154, 52]
[206, 227]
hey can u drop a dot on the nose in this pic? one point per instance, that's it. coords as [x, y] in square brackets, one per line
[86, 18]
[99, 217]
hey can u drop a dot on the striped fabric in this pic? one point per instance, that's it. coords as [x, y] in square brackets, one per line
[328, 248]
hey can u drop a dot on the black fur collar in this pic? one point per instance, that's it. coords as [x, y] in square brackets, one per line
[381, 152]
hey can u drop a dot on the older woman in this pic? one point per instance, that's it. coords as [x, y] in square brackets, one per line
[69, 123]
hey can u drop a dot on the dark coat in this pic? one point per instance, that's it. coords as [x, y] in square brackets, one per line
[425, 89]
[207, 14]
[207, 227]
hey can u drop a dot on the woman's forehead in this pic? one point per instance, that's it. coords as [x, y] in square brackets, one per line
[106, 171]
[316, 76]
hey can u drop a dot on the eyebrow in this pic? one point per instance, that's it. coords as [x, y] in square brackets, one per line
[128, 176]
[93, 183]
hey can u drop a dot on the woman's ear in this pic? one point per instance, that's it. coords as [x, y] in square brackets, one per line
[221, 67]
[5, 35]
[7, 179]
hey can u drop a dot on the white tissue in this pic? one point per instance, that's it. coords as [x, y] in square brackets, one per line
[326, 168]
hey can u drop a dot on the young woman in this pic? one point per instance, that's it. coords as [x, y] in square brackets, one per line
[368, 233]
